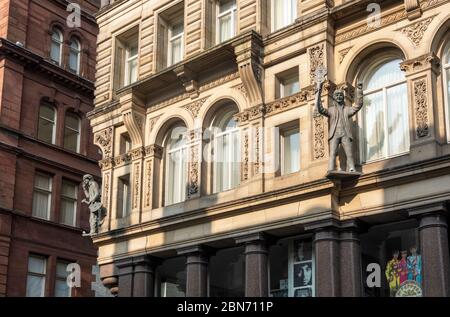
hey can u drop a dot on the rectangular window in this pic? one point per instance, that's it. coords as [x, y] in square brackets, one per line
[170, 36]
[226, 20]
[42, 196]
[69, 193]
[37, 269]
[124, 197]
[127, 57]
[61, 287]
[284, 12]
[290, 150]
[176, 43]
[125, 143]
[287, 83]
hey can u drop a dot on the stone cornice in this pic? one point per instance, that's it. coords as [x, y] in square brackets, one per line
[32, 60]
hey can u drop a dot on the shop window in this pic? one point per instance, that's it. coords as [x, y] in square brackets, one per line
[395, 248]
[292, 269]
[227, 273]
[171, 278]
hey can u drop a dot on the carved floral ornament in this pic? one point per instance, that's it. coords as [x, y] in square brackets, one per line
[421, 63]
[421, 108]
[104, 140]
[416, 31]
[316, 59]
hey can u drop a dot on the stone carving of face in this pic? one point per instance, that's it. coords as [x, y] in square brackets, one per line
[338, 96]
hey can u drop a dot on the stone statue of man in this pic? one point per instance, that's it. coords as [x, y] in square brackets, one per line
[93, 200]
[340, 131]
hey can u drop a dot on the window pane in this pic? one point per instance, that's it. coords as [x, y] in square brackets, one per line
[290, 86]
[226, 5]
[176, 50]
[43, 182]
[74, 60]
[374, 138]
[448, 86]
[177, 29]
[61, 269]
[398, 126]
[236, 162]
[220, 169]
[41, 205]
[72, 122]
[385, 74]
[36, 265]
[68, 208]
[46, 124]
[172, 277]
[225, 28]
[69, 189]
[291, 142]
[133, 70]
[55, 51]
[227, 273]
[284, 13]
[35, 286]
[62, 289]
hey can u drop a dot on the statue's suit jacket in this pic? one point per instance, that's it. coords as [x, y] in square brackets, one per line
[333, 114]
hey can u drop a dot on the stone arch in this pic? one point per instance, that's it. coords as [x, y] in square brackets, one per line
[228, 94]
[351, 65]
[354, 64]
[441, 36]
[166, 121]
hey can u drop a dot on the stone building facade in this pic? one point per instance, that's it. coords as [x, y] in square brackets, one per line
[47, 70]
[214, 160]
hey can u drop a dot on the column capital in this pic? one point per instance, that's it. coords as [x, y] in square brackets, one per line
[260, 237]
[196, 250]
[439, 208]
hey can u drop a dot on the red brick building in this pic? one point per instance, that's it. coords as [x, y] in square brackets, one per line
[47, 70]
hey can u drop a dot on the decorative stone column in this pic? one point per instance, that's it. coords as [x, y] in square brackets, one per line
[433, 235]
[350, 262]
[256, 268]
[197, 261]
[125, 275]
[327, 254]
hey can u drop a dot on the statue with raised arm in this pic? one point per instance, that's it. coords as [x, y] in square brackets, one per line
[340, 130]
[93, 200]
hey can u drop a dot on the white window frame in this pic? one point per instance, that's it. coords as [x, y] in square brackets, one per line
[171, 39]
[40, 275]
[361, 118]
[53, 122]
[290, 10]
[77, 52]
[183, 152]
[59, 43]
[283, 134]
[72, 200]
[445, 78]
[77, 131]
[233, 13]
[44, 191]
[228, 134]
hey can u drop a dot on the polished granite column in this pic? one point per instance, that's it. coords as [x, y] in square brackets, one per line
[256, 265]
[144, 276]
[350, 263]
[125, 275]
[197, 261]
[327, 255]
[433, 235]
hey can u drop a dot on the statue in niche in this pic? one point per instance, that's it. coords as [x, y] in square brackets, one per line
[340, 129]
[93, 200]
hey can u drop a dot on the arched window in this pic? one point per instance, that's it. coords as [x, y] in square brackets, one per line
[72, 132]
[56, 47]
[74, 56]
[226, 149]
[446, 72]
[176, 165]
[385, 127]
[47, 123]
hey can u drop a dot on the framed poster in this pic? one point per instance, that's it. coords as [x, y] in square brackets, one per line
[301, 268]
